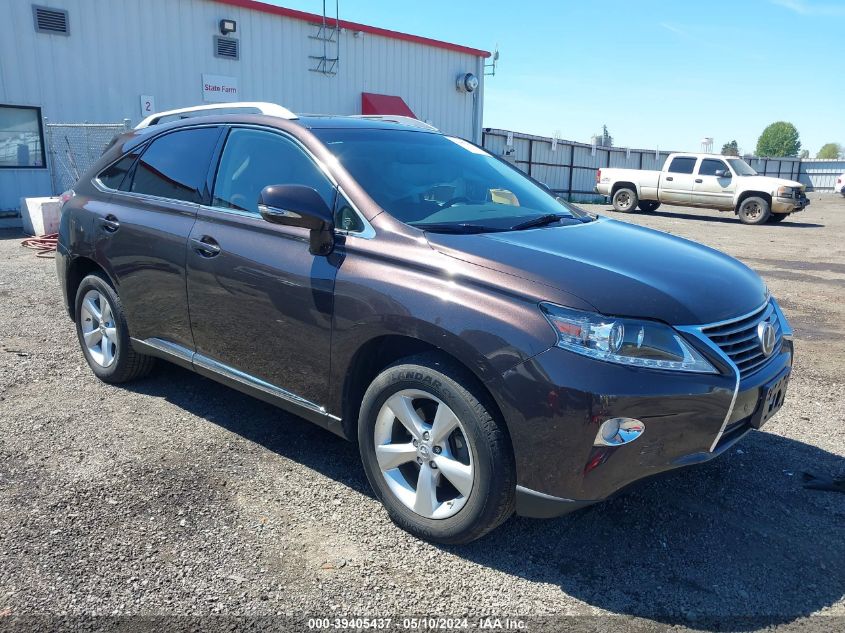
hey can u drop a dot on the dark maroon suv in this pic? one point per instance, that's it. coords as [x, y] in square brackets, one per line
[490, 348]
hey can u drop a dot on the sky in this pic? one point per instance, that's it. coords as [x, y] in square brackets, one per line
[658, 73]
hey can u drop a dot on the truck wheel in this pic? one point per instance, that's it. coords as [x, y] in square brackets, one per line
[625, 200]
[647, 206]
[774, 218]
[434, 451]
[754, 210]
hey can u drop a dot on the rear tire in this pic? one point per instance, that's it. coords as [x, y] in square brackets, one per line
[472, 489]
[774, 218]
[625, 200]
[103, 334]
[647, 206]
[754, 210]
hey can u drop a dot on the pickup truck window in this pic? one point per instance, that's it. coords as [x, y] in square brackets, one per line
[682, 165]
[710, 165]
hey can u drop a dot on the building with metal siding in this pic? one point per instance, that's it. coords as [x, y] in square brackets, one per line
[115, 52]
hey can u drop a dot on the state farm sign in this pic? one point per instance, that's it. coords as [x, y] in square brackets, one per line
[219, 89]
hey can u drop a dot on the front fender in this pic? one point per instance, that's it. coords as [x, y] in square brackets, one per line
[463, 309]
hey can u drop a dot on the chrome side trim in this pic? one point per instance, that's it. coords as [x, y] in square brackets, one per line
[696, 331]
[198, 360]
[166, 347]
[251, 381]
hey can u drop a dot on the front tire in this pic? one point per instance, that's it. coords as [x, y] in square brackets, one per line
[103, 334]
[647, 206]
[434, 451]
[754, 210]
[625, 200]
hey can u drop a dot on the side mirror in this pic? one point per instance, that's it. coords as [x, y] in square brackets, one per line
[723, 173]
[297, 205]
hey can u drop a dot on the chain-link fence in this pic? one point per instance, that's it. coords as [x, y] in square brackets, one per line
[73, 147]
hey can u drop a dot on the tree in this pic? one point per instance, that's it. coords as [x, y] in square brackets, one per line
[830, 150]
[730, 149]
[805, 153]
[779, 139]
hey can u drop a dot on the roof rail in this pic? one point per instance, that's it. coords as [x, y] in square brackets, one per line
[396, 118]
[253, 107]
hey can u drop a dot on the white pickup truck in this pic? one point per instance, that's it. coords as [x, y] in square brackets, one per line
[711, 181]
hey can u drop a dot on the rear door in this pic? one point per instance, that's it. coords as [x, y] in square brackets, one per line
[261, 303]
[714, 191]
[141, 234]
[676, 182]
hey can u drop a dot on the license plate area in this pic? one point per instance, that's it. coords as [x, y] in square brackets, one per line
[774, 394]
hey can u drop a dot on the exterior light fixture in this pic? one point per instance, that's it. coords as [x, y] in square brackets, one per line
[467, 82]
[228, 26]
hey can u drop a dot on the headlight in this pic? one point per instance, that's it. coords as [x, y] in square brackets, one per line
[785, 192]
[629, 342]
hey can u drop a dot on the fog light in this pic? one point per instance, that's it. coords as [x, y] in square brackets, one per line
[618, 431]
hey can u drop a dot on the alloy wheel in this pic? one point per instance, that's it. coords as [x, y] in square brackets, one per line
[423, 454]
[98, 328]
[623, 200]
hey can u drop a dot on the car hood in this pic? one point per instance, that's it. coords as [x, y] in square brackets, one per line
[767, 183]
[619, 268]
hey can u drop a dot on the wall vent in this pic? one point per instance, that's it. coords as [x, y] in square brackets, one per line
[226, 47]
[48, 20]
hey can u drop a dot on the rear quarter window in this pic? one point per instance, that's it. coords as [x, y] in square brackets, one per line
[113, 176]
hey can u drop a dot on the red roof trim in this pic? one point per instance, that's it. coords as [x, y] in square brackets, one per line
[254, 5]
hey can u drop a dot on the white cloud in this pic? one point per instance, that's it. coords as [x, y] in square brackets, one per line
[805, 7]
[673, 28]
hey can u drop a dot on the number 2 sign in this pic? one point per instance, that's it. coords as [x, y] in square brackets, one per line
[148, 105]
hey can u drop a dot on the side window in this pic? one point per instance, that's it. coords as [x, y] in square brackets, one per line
[710, 165]
[345, 217]
[682, 165]
[112, 177]
[176, 165]
[254, 159]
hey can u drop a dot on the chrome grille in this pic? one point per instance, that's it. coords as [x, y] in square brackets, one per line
[739, 340]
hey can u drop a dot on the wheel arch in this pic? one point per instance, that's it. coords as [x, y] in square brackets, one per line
[624, 184]
[752, 194]
[79, 268]
[379, 352]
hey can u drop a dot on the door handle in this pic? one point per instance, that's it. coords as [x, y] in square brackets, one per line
[206, 246]
[109, 223]
[699, 180]
[669, 178]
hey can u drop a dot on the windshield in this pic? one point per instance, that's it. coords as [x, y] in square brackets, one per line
[741, 167]
[441, 183]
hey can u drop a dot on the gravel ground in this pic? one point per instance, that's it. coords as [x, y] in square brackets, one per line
[175, 495]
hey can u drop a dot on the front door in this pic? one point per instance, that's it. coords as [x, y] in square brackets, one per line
[260, 302]
[676, 182]
[712, 190]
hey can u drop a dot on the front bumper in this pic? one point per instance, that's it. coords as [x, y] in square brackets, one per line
[555, 402]
[790, 205]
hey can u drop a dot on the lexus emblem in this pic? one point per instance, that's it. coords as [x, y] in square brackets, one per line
[766, 335]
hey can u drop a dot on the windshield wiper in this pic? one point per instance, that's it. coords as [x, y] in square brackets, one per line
[549, 218]
[459, 227]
